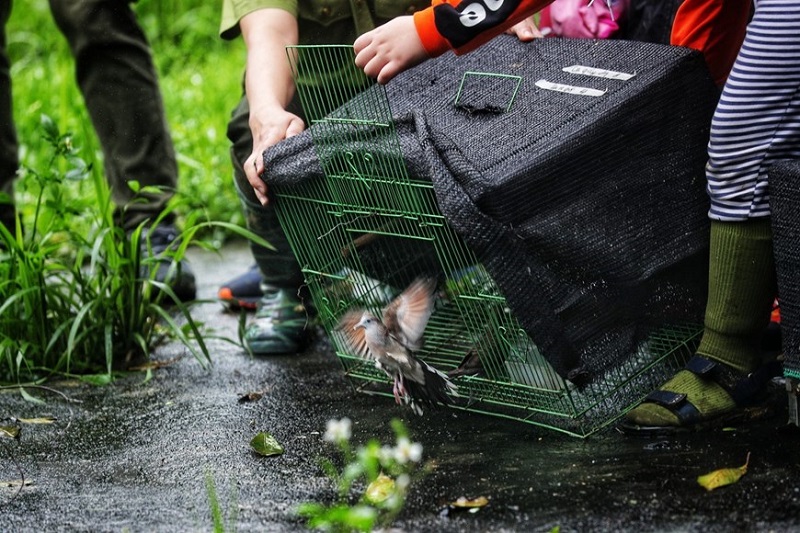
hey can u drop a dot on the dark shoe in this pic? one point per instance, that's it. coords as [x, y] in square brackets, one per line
[280, 325]
[178, 276]
[243, 291]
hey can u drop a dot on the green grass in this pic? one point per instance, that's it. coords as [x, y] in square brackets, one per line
[200, 77]
[72, 297]
[75, 303]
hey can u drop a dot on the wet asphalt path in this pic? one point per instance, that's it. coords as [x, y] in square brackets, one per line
[134, 455]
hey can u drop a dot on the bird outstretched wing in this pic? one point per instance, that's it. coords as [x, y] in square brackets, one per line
[407, 315]
[355, 339]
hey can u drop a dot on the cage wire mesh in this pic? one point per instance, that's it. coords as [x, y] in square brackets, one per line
[363, 233]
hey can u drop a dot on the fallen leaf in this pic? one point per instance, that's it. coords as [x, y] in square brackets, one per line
[11, 432]
[251, 397]
[153, 365]
[16, 483]
[723, 476]
[463, 504]
[379, 490]
[266, 445]
[470, 503]
[38, 420]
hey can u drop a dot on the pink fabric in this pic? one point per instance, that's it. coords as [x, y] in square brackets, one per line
[579, 19]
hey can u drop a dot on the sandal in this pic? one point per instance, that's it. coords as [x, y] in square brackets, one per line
[747, 392]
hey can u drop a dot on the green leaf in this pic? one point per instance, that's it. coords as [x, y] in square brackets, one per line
[399, 428]
[361, 517]
[97, 379]
[29, 398]
[79, 169]
[309, 509]
[266, 445]
[49, 126]
[340, 517]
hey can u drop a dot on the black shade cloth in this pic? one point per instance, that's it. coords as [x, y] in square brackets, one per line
[784, 199]
[589, 212]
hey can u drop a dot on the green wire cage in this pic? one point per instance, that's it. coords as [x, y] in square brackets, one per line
[366, 230]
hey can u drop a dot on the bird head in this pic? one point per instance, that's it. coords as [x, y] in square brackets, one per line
[366, 321]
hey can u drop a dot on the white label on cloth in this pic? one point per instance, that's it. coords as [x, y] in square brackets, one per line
[598, 72]
[570, 89]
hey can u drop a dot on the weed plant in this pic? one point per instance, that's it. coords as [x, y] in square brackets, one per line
[75, 302]
[372, 484]
[218, 517]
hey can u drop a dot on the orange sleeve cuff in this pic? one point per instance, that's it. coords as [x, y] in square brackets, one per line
[436, 44]
[431, 39]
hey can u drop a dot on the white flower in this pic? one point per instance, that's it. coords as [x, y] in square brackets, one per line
[337, 430]
[402, 482]
[406, 451]
[385, 454]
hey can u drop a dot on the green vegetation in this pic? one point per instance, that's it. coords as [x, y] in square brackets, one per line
[72, 296]
[75, 302]
[373, 482]
[200, 77]
[217, 515]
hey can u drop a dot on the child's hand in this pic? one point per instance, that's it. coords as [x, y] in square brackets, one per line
[525, 30]
[389, 49]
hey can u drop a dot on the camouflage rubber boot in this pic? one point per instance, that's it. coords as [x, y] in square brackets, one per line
[280, 325]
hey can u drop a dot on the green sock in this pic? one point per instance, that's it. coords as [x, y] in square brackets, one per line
[741, 290]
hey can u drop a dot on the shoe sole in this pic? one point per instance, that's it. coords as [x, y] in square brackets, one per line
[239, 305]
[740, 416]
[278, 348]
[231, 302]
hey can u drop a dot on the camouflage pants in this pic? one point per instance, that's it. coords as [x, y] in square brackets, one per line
[280, 268]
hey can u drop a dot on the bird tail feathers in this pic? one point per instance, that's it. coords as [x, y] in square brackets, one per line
[436, 390]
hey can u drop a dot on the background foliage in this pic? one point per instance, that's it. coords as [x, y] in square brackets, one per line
[200, 78]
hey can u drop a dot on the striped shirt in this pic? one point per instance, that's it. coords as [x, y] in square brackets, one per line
[757, 120]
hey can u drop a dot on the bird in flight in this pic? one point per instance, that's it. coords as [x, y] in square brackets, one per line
[392, 339]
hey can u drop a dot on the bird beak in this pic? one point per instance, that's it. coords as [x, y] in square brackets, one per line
[360, 324]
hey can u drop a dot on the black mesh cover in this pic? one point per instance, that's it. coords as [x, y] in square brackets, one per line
[784, 199]
[588, 211]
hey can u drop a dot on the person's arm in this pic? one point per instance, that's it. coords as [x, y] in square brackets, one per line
[269, 86]
[714, 27]
[460, 26]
